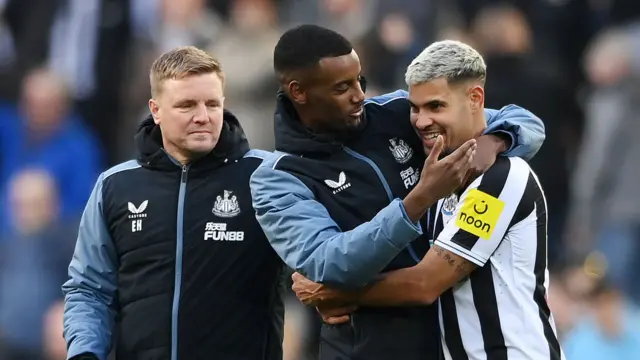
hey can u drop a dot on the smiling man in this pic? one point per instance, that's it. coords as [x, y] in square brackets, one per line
[345, 197]
[488, 264]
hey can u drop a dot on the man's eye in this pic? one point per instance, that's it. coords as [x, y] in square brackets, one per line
[342, 88]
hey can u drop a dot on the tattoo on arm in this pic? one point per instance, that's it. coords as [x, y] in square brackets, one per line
[462, 266]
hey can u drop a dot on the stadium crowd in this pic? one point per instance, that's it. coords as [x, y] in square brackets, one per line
[74, 87]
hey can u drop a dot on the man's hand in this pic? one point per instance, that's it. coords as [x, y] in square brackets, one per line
[336, 315]
[314, 294]
[439, 178]
[489, 147]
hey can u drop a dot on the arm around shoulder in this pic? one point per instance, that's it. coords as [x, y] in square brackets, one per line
[89, 312]
[526, 130]
[304, 235]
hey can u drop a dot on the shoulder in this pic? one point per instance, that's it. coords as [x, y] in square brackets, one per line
[270, 160]
[385, 99]
[115, 174]
[253, 158]
[506, 166]
[393, 100]
[257, 154]
[120, 168]
[273, 179]
[505, 173]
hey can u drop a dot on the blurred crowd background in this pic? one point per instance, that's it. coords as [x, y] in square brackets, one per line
[74, 85]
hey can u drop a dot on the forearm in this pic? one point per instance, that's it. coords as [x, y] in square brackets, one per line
[526, 130]
[354, 258]
[88, 323]
[403, 287]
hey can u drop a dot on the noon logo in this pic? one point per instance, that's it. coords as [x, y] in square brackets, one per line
[480, 213]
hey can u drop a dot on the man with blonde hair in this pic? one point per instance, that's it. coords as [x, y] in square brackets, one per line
[169, 257]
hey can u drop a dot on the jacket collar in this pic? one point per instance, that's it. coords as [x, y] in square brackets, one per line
[232, 145]
[291, 136]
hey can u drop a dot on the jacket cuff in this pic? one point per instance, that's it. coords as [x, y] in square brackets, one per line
[402, 230]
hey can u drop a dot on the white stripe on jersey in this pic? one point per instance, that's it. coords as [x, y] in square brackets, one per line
[500, 312]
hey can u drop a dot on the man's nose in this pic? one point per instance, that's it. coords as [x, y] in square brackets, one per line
[423, 121]
[358, 96]
[202, 114]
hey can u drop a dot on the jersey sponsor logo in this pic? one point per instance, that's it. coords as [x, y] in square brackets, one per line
[400, 150]
[479, 214]
[339, 185]
[410, 177]
[226, 206]
[218, 232]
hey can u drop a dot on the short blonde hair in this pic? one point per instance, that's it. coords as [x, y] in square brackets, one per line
[181, 62]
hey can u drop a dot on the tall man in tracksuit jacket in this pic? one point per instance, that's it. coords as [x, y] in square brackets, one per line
[332, 194]
[169, 257]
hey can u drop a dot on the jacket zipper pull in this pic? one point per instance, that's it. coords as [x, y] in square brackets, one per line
[184, 173]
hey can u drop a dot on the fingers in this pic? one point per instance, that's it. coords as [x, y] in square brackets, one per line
[464, 153]
[336, 315]
[434, 154]
[336, 320]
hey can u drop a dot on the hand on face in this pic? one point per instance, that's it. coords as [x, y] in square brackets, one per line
[439, 178]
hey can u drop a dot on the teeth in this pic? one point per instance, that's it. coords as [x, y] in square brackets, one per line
[432, 136]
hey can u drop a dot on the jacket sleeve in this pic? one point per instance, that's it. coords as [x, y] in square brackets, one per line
[525, 129]
[89, 294]
[305, 236]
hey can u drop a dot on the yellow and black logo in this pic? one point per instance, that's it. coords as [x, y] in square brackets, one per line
[479, 214]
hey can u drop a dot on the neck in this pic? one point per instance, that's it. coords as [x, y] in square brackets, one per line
[178, 155]
[307, 120]
[482, 124]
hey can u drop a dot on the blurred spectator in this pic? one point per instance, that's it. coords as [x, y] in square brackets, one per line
[503, 34]
[605, 211]
[610, 331]
[33, 263]
[43, 131]
[55, 347]
[251, 86]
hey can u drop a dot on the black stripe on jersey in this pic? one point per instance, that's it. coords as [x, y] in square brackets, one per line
[491, 183]
[539, 294]
[486, 303]
[452, 334]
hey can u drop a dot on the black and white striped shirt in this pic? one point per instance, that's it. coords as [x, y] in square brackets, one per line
[500, 224]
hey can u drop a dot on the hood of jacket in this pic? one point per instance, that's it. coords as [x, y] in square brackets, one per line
[291, 136]
[232, 145]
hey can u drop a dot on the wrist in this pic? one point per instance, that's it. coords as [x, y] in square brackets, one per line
[417, 202]
[501, 141]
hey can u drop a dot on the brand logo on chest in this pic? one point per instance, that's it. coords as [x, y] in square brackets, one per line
[136, 214]
[226, 206]
[400, 150]
[339, 185]
[218, 232]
